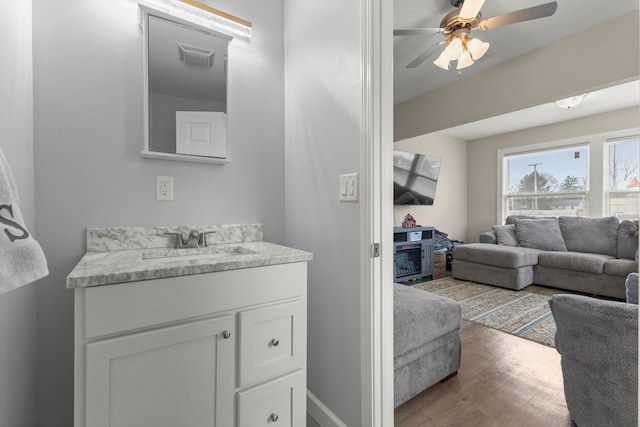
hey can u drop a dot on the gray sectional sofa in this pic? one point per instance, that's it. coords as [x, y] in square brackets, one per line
[589, 255]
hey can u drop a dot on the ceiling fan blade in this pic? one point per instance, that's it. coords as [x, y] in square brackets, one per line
[535, 12]
[470, 8]
[424, 55]
[417, 31]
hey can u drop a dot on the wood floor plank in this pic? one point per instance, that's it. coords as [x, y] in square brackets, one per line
[503, 381]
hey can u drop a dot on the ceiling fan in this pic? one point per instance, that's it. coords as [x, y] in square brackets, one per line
[456, 28]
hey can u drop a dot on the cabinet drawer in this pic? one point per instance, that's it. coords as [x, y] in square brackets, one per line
[279, 402]
[115, 309]
[272, 341]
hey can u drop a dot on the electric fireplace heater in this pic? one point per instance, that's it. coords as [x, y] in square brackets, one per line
[413, 253]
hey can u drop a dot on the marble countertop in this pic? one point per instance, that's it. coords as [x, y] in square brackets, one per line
[142, 253]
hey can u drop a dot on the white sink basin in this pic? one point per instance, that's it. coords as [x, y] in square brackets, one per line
[211, 252]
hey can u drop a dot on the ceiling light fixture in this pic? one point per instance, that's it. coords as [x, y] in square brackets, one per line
[463, 48]
[203, 15]
[571, 102]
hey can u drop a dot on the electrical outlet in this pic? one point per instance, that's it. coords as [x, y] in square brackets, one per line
[164, 188]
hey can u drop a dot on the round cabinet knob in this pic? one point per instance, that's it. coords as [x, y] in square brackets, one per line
[275, 342]
[274, 417]
[226, 335]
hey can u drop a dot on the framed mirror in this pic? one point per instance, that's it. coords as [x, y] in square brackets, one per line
[185, 89]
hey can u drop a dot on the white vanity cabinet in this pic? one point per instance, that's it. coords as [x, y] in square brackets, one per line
[218, 349]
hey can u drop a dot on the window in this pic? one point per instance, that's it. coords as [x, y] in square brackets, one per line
[551, 182]
[623, 174]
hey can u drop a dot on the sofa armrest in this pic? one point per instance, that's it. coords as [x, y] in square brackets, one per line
[632, 288]
[598, 343]
[488, 237]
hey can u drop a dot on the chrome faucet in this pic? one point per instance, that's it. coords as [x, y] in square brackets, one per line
[194, 240]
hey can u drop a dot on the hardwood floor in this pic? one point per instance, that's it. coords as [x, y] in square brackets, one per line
[503, 381]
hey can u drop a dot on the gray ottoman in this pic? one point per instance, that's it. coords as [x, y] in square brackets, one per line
[427, 345]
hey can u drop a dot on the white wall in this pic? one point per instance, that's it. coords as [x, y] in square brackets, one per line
[482, 155]
[323, 122]
[449, 210]
[88, 136]
[18, 329]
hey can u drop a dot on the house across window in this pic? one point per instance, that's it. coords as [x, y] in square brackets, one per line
[624, 174]
[549, 182]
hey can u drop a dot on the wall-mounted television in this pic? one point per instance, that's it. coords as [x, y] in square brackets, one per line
[415, 177]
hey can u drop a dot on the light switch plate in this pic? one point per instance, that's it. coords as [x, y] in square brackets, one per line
[348, 187]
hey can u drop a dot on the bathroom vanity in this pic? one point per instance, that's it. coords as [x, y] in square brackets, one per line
[207, 336]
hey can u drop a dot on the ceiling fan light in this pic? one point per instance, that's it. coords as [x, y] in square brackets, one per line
[454, 49]
[477, 48]
[442, 61]
[465, 60]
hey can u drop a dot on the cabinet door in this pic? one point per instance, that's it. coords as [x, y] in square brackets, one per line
[272, 341]
[175, 376]
[280, 402]
[427, 253]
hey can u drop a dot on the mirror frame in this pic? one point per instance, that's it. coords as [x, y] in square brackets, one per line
[143, 13]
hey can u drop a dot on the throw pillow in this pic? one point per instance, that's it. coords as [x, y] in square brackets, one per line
[541, 234]
[591, 235]
[506, 234]
[628, 239]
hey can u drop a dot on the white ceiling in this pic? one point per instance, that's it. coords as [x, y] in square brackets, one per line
[610, 99]
[506, 42]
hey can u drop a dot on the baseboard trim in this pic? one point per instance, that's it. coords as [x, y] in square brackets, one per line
[321, 413]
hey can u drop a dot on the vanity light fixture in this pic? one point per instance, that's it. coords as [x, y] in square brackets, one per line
[570, 102]
[203, 15]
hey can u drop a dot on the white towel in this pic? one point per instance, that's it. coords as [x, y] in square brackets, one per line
[21, 258]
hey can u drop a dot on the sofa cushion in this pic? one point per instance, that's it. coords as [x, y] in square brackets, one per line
[488, 237]
[632, 288]
[506, 234]
[510, 278]
[420, 317]
[541, 234]
[620, 267]
[628, 239]
[593, 235]
[574, 261]
[497, 255]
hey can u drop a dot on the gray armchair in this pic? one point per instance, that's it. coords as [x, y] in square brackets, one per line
[598, 344]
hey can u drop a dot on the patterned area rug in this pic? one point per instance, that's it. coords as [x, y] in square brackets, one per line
[519, 313]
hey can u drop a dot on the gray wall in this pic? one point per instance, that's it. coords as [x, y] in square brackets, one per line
[323, 123]
[88, 136]
[18, 328]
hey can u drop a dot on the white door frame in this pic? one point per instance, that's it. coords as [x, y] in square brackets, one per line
[376, 214]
